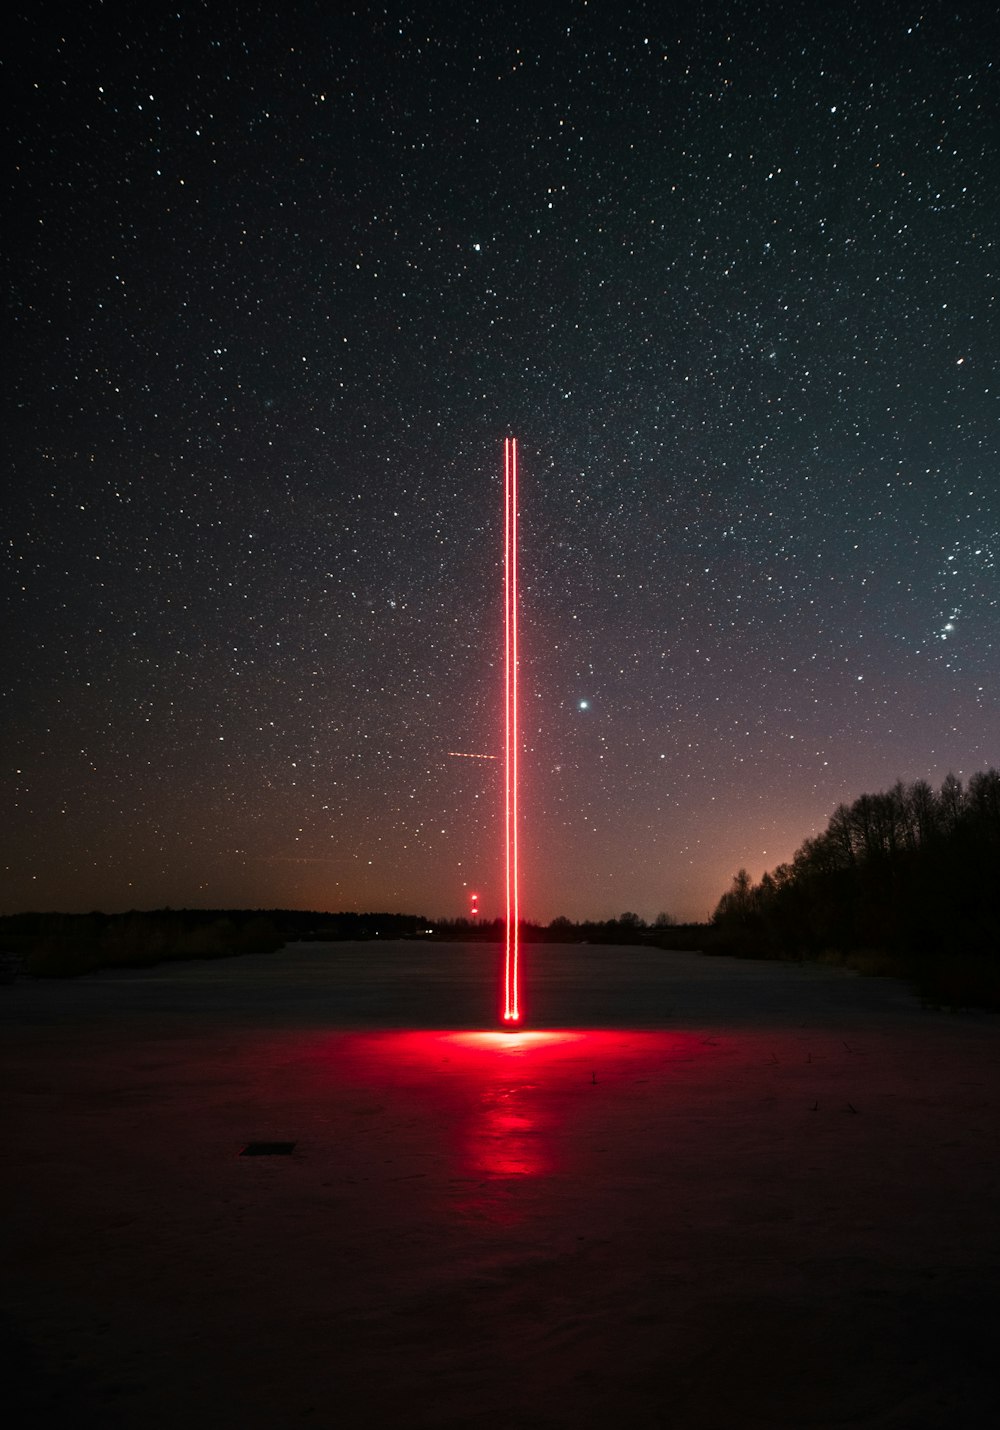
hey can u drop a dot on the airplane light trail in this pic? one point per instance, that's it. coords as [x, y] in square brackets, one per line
[512, 1011]
[468, 755]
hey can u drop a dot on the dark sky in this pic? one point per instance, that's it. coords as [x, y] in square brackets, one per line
[282, 278]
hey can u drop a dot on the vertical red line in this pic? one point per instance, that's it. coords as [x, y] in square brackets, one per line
[515, 737]
[511, 1011]
[508, 871]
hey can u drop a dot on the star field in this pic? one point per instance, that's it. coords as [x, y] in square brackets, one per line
[279, 284]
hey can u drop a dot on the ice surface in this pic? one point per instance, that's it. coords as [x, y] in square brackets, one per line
[694, 1192]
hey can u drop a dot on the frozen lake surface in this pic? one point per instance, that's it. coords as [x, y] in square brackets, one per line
[392, 983]
[694, 1192]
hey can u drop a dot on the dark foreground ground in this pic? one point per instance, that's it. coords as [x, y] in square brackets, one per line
[696, 1193]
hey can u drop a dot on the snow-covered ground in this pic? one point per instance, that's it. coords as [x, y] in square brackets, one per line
[695, 1192]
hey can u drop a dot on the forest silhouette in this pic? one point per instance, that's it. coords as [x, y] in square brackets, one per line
[904, 882]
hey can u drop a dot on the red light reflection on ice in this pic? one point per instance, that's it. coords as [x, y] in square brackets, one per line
[513, 1043]
[506, 1140]
[498, 1104]
[512, 1134]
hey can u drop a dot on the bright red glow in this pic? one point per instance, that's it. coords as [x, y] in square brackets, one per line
[504, 1104]
[519, 1042]
[511, 1008]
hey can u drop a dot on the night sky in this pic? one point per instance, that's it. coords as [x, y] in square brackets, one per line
[281, 279]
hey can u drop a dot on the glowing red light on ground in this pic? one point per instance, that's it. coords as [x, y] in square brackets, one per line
[474, 905]
[511, 1010]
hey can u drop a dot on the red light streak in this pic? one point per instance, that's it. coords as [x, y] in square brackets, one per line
[511, 1011]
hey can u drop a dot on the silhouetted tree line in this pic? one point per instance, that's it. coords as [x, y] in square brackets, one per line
[48, 945]
[53, 945]
[333, 927]
[907, 881]
[628, 928]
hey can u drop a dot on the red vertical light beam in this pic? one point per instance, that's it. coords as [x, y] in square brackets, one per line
[506, 722]
[511, 1012]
